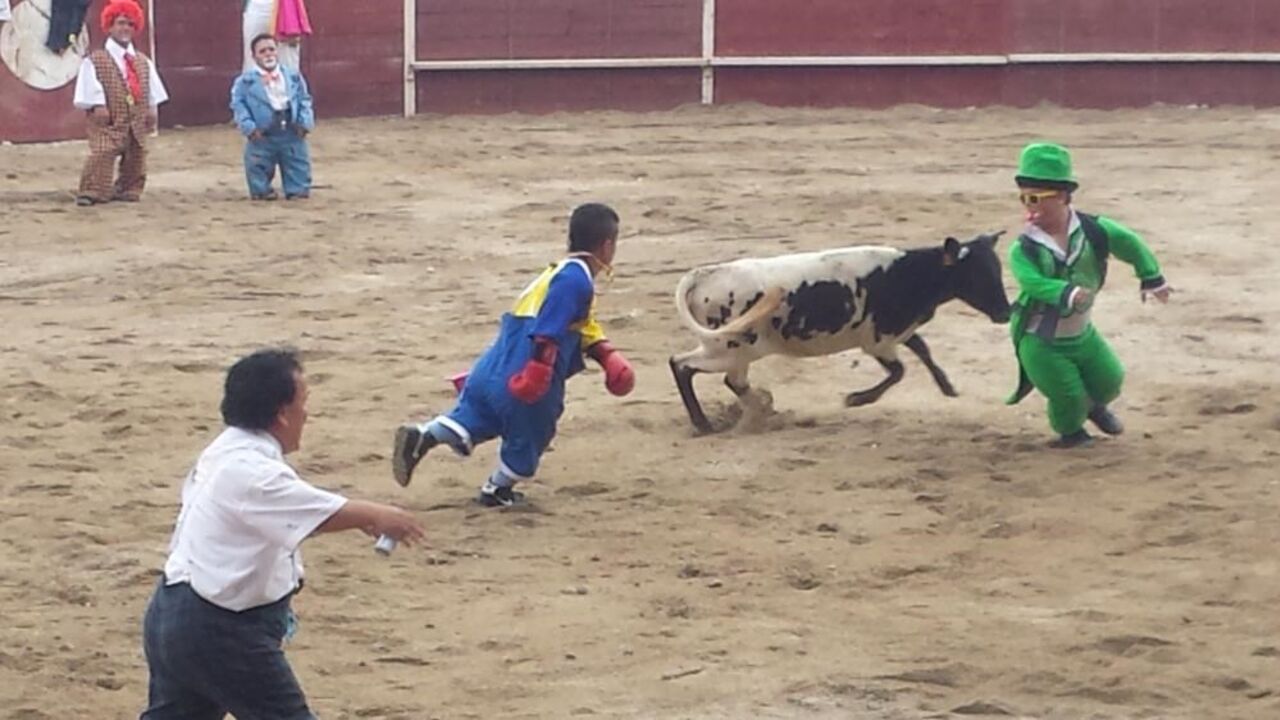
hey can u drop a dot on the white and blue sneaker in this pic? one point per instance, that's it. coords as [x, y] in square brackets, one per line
[499, 496]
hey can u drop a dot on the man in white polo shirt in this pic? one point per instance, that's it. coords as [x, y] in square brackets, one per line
[214, 629]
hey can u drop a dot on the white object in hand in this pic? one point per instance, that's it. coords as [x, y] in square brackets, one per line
[385, 545]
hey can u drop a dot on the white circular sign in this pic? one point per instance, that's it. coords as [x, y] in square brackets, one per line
[22, 48]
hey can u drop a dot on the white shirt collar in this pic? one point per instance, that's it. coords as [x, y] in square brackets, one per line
[118, 51]
[1041, 237]
[582, 261]
[260, 438]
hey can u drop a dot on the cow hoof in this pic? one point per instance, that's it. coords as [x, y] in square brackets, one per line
[950, 391]
[858, 399]
[756, 401]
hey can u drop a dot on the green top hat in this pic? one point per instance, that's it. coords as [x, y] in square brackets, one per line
[1045, 165]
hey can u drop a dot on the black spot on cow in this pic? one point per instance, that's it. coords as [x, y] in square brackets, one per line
[731, 300]
[907, 292]
[733, 344]
[910, 290]
[826, 306]
[750, 337]
[717, 321]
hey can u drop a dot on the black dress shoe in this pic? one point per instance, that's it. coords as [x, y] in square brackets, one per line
[1079, 438]
[1106, 420]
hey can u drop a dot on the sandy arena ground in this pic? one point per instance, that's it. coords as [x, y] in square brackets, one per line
[920, 558]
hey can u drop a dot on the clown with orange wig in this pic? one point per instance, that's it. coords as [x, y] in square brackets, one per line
[119, 90]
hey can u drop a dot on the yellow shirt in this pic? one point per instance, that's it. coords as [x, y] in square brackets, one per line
[530, 302]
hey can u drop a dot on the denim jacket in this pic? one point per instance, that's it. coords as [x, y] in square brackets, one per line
[252, 109]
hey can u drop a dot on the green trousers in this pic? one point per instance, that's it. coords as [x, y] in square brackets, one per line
[1073, 374]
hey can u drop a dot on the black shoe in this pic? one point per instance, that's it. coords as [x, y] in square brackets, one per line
[1079, 438]
[267, 196]
[411, 446]
[493, 496]
[1106, 420]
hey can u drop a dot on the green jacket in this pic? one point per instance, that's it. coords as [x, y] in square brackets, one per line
[1046, 281]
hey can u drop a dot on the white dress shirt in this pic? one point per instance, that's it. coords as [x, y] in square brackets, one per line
[4, 10]
[244, 513]
[277, 86]
[89, 92]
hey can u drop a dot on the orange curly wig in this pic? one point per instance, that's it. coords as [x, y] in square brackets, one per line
[127, 8]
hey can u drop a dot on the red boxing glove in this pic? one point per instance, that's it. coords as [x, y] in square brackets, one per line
[619, 378]
[534, 379]
[532, 382]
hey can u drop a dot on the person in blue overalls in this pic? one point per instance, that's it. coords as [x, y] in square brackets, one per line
[273, 110]
[516, 389]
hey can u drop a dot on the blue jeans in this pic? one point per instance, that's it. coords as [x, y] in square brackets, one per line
[206, 661]
[283, 148]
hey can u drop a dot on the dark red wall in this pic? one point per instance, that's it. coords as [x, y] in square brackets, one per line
[354, 62]
[507, 29]
[557, 90]
[1144, 25]
[865, 27]
[523, 29]
[199, 54]
[540, 29]
[999, 27]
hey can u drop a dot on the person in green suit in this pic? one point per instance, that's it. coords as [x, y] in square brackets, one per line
[1060, 263]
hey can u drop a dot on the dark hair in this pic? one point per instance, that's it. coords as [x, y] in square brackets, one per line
[590, 226]
[253, 44]
[257, 386]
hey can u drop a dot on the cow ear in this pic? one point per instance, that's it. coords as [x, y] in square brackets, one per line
[950, 251]
[995, 237]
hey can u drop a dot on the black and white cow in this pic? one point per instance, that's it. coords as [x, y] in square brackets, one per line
[820, 303]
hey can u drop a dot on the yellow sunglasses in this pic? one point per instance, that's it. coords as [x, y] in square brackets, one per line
[1034, 198]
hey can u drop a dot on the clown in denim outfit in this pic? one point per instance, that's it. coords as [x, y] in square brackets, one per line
[272, 108]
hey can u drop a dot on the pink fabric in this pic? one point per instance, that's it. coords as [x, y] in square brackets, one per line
[458, 381]
[291, 18]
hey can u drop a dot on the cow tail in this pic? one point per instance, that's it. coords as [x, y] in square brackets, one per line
[682, 303]
[739, 325]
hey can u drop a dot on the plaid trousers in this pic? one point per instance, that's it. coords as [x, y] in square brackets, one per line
[206, 661]
[106, 143]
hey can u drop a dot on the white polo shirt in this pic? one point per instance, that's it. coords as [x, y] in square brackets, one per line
[244, 513]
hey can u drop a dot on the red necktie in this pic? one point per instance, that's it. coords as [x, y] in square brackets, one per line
[131, 75]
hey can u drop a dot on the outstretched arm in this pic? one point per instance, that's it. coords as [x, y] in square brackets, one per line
[1129, 247]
